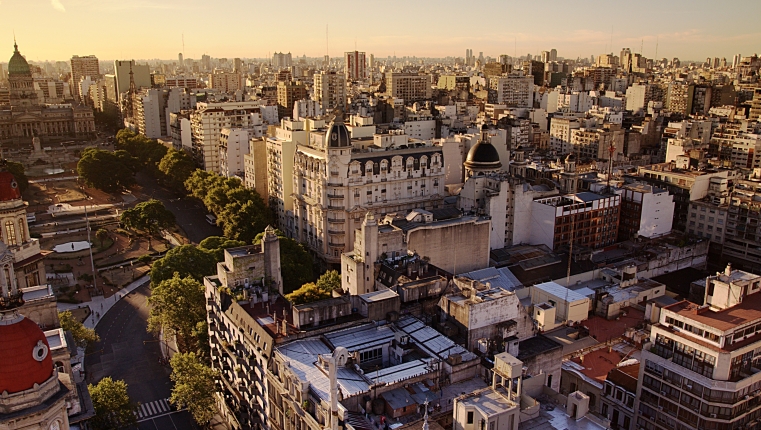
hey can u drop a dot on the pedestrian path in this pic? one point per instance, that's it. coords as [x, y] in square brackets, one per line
[151, 409]
[99, 305]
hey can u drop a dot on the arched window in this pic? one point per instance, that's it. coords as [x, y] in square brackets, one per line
[21, 230]
[10, 233]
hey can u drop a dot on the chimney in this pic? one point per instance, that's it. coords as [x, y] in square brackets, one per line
[728, 270]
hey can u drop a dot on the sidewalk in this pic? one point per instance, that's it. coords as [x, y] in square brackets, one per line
[101, 305]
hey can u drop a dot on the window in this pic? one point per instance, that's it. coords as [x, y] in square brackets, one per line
[10, 233]
[470, 417]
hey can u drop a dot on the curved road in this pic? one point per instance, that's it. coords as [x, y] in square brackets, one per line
[127, 351]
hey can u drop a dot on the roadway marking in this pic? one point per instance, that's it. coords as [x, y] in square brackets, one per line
[154, 409]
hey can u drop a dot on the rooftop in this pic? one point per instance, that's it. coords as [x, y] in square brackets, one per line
[502, 278]
[747, 311]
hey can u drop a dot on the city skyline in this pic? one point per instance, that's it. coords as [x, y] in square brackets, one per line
[515, 28]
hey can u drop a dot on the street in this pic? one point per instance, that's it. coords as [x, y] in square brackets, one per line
[189, 212]
[127, 351]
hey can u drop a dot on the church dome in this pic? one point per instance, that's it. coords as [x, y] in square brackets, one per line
[17, 65]
[570, 158]
[338, 135]
[25, 355]
[9, 188]
[483, 155]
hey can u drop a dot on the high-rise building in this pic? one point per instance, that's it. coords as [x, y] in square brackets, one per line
[180, 62]
[625, 60]
[82, 67]
[237, 65]
[355, 65]
[545, 56]
[553, 54]
[410, 87]
[330, 90]
[288, 92]
[514, 90]
[699, 369]
[280, 60]
[227, 82]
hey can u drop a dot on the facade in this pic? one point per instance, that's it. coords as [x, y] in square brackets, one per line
[410, 87]
[207, 122]
[182, 82]
[83, 67]
[288, 92]
[240, 346]
[255, 167]
[619, 392]
[598, 143]
[226, 82]
[24, 117]
[514, 90]
[330, 91]
[743, 230]
[141, 73]
[560, 134]
[233, 147]
[281, 149]
[699, 369]
[588, 219]
[355, 65]
[337, 180]
[646, 211]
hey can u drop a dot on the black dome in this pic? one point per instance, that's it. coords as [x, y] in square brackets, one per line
[570, 158]
[338, 135]
[483, 155]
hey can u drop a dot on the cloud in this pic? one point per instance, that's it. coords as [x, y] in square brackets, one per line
[57, 5]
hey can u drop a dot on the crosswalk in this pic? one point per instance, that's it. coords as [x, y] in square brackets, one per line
[157, 407]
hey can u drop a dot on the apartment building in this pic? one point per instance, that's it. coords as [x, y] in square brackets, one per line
[255, 167]
[207, 122]
[743, 228]
[514, 90]
[226, 82]
[700, 369]
[646, 211]
[330, 91]
[234, 146]
[288, 92]
[336, 180]
[355, 65]
[82, 67]
[589, 220]
[598, 143]
[411, 87]
[618, 396]
[560, 133]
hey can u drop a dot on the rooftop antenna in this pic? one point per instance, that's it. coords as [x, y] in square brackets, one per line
[657, 38]
[641, 45]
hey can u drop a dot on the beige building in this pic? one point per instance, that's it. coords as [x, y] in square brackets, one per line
[410, 87]
[514, 90]
[255, 167]
[330, 91]
[207, 122]
[288, 92]
[226, 82]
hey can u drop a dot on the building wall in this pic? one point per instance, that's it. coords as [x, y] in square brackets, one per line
[457, 248]
[255, 168]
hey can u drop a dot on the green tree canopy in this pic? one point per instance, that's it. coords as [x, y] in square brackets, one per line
[177, 306]
[187, 260]
[150, 216]
[105, 170]
[296, 264]
[17, 169]
[176, 166]
[148, 151]
[113, 407]
[194, 386]
[218, 244]
[314, 291]
[101, 235]
[81, 334]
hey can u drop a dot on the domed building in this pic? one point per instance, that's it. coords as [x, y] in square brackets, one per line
[483, 157]
[25, 118]
[31, 395]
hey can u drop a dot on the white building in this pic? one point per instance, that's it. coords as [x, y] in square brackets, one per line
[234, 146]
[514, 90]
[646, 211]
[330, 90]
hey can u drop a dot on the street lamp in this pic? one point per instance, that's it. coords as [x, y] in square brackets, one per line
[92, 262]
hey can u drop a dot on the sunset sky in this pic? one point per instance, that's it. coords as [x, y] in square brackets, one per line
[144, 29]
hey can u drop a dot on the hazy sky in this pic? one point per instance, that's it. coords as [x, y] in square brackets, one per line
[146, 29]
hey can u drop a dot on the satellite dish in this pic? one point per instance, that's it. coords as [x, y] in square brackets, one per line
[341, 355]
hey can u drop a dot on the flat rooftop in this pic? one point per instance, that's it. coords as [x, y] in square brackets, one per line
[747, 311]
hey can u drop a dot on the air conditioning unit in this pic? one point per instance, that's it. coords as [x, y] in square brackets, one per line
[713, 415]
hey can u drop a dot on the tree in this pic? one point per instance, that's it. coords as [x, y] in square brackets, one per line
[17, 169]
[194, 386]
[177, 306]
[295, 262]
[314, 291]
[81, 334]
[187, 260]
[113, 407]
[150, 216]
[148, 151]
[101, 235]
[217, 245]
[107, 171]
[176, 166]
[308, 293]
[244, 220]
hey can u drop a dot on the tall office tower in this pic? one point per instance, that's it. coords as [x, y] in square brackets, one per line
[553, 54]
[505, 59]
[355, 65]
[371, 66]
[330, 90]
[545, 56]
[736, 60]
[180, 61]
[82, 67]
[206, 62]
[716, 63]
[237, 65]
